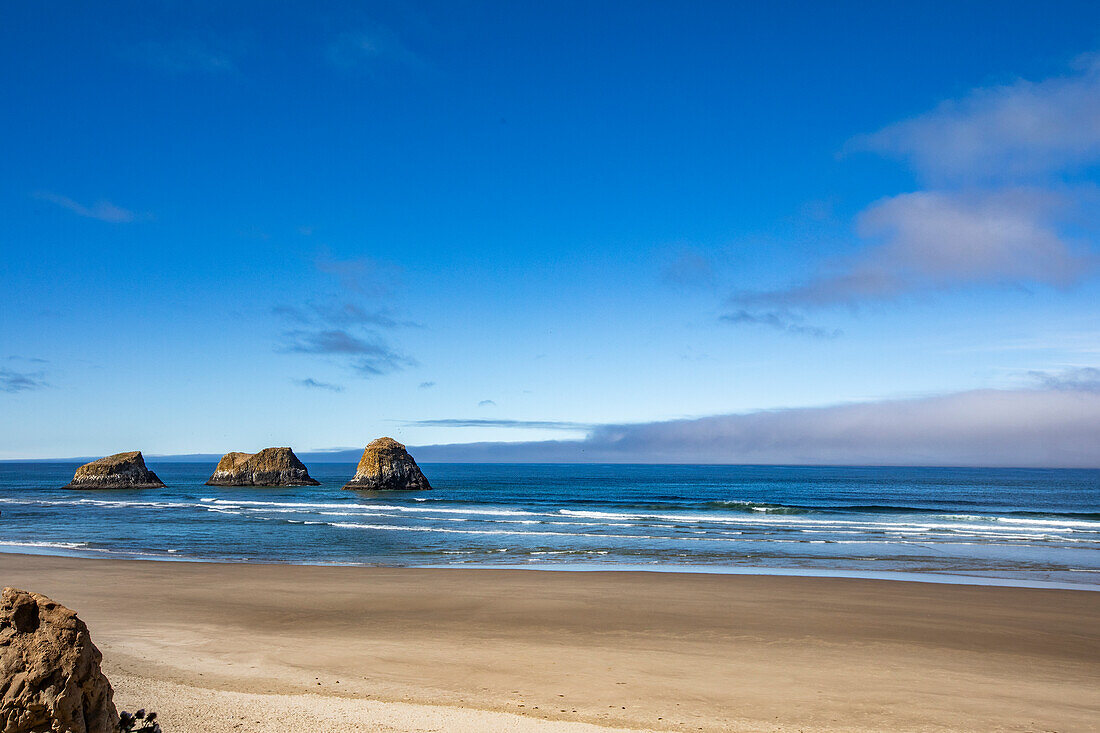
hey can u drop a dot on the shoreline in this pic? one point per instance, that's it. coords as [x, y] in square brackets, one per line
[888, 575]
[396, 649]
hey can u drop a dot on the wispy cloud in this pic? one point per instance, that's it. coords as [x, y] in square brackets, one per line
[486, 403]
[340, 328]
[781, 320]
[314, 384]
[328, 342]
[427, 385]
[12, 381]
[372, 355]
[186, 54]
[291, 313]
[382, 362]
[362, 275]
[366, 47]
[1038, 427]
[102, 210]
[1078, 379]
[689, 267]
[343, 314]
[354, 315]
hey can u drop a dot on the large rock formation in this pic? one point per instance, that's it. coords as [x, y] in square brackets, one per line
[269, 467]
[387, 465]
[120, 471]
[50, 678]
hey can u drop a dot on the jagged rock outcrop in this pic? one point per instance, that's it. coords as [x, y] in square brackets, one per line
[120, 471]
[50, 680]
[269, 467]
[386, 465]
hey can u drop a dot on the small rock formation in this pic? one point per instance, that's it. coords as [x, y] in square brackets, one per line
[269, 467]
[120, 471]
[50, 678]
[386, 465]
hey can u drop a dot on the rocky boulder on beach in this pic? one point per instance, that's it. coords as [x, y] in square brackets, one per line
[50, 678]
[386, 465]
[120, 471]
[269, 467]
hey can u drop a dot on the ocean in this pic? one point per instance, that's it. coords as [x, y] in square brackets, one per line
[1006, 526]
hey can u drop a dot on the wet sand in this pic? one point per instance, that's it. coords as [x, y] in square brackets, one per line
[219, 647]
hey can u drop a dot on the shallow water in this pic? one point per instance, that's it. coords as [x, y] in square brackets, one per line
[1022, 525]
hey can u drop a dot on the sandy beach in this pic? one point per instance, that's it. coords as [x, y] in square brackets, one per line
[223, 647]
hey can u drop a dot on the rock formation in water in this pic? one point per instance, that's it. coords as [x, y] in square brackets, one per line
[50, 678]
[120, 471]
[386, 465]
[269, 467]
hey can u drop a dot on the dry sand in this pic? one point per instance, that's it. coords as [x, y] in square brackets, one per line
[281, 648]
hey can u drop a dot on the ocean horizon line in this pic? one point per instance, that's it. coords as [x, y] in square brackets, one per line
[352, 456]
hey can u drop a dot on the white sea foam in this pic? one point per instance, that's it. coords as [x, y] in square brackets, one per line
[800, 520]
[568, 552]
[1086, 524]
[469, 529]
[105, 503]
[55, 545]
[543, 533]
[963, 525]
[388, 507]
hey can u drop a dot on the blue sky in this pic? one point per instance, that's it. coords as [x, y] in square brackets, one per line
[244, 224]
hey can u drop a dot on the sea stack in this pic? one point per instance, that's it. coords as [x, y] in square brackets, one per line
[386, 465]
[49, 669]
[269, 467]
[120, 471]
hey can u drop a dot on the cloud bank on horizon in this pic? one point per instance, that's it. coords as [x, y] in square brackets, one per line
[1056, 424]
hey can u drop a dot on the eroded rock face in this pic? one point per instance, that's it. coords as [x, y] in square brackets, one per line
[386, 465]
[269, 467]
[50, 680]
[120, 471]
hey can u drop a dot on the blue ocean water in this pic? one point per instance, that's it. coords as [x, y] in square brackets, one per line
[1022, 525]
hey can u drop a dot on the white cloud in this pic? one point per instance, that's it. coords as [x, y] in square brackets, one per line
[999, 214]
[1007, 132]
[939, 240]
[945, 238]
